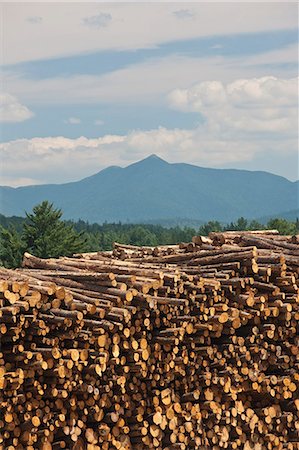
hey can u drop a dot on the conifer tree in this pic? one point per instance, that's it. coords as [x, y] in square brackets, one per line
[11, 247]
[45, 235]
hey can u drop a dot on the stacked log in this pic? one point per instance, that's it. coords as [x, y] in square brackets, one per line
[193, 346]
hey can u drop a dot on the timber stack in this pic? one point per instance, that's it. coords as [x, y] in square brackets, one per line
[189, 346]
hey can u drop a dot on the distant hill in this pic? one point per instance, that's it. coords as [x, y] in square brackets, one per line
[291, 216]
[153, 190]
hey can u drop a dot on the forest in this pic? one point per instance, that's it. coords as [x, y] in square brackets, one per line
[44, 233]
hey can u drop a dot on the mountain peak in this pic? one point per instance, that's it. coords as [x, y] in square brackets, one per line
[153, 158]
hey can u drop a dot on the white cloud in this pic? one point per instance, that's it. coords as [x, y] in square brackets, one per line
[16, 182]
[99, 122]
[73, 120]
[184, 14]
[34, 19]
[161, 140]
[159, 76]
[258, 105]
[97, 21]
[132, 25]
[244, 120]
[11, 110]
[60, 159]
[216, 46]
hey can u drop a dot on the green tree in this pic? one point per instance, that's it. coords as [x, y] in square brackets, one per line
[240, 225]
[142, 236]
[11, 247]
[255, 225]
[45, 235]
[282, 225]
[213, 225]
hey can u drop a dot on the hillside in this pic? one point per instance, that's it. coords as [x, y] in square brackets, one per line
[154, 190]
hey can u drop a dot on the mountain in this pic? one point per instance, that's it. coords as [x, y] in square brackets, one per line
[290, 216]
[154, 190]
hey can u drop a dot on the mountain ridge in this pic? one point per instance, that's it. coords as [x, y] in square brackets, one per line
[153, 188]
[154, 157]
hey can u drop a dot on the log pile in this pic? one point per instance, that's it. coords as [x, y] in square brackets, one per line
[192, 346]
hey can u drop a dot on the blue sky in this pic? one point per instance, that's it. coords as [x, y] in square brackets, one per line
[98, 84]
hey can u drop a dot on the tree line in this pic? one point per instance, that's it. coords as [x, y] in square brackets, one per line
[45, 234]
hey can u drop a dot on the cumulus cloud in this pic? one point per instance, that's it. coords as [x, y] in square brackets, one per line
[11, 110]
[192, 146]
[159, 76]
[57, 159]
[258, 105]
[245, 120]
[73, 120]
[161, 140]
[97, 21]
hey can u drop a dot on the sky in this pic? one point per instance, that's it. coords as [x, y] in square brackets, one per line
[89, 85]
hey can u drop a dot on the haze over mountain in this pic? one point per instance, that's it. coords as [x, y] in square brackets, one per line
[154, 190]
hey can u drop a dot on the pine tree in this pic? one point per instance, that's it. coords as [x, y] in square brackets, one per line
[45, 235]
[11, 248]
[282, 225]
